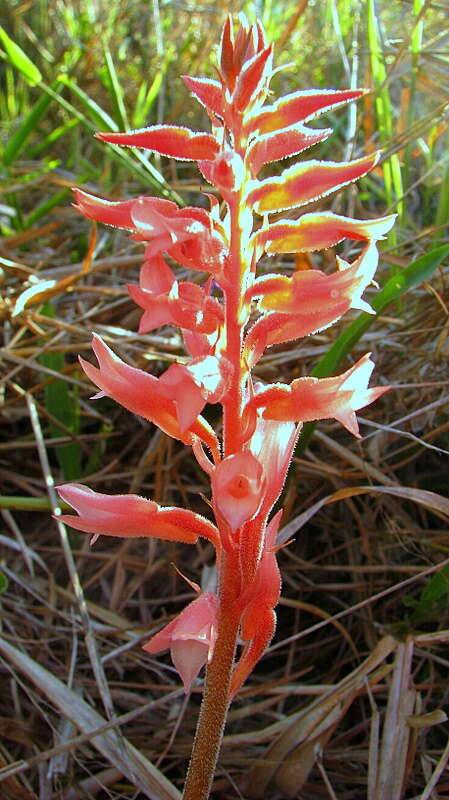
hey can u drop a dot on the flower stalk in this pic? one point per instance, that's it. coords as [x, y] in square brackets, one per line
[227, 323]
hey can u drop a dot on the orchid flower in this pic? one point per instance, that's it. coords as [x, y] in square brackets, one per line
[190, 637]
[165, 301]
[227, 323]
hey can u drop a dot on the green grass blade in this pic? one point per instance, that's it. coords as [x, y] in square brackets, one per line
[416, 272]
[43, 208]
[116, 89]
[19, 59]
[384, 113]
[98, 116]
[52, 137]
[98, 119]
[146, 96]
[62, 404]
[26, 128]
[442, 215]
[3, 583]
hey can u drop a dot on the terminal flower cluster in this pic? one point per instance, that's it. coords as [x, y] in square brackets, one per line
[228, 315]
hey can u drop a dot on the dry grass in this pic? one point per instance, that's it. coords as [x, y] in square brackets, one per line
[349, 700]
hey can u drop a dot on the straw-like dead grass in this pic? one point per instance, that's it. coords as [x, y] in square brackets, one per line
[349, 700]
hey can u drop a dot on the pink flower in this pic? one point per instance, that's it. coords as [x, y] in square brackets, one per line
[190, 637]
[191, 235]
[203, 380]
[226, 171]
[154, 399]
[167, 302]
[129, 515]
[308, 301]
[238, 487]
[309, 399]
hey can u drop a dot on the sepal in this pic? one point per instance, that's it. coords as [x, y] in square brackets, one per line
[174, 141]
[305, 182]
[319, 231]
[128, 515]
[297, 107]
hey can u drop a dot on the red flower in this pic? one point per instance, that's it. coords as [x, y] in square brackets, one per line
[154, 399]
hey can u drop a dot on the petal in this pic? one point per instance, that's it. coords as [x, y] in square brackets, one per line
[304, 182]
[319, 231]
[156, 309]
[156, 276]
[155, 217]
[273, 444]
[168, 140]
[238, 486]
[188, 657]
[203, 380]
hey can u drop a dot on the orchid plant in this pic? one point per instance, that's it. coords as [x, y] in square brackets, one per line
[227, 322]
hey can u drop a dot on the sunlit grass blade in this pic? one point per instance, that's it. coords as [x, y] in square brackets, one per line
[116, 91]
[442, 214]
[400, 283]
[48, 141]
[97, 115]
[96, 119]
[147, 94]
[16, 56]
[384, 114]
[27, 127]
[47, 205]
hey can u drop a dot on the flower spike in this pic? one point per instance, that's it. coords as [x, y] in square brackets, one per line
[226, 321]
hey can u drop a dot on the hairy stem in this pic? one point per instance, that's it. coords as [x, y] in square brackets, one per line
[215, 704]
[216, 697]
